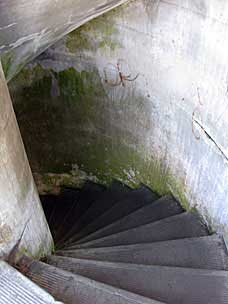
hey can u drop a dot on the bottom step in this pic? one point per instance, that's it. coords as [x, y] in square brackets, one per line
[76, 289]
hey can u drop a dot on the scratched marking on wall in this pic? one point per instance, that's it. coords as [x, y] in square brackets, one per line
[197, 115]
[5, 233]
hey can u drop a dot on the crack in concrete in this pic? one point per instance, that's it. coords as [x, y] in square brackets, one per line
[211, 139]
[13, 253]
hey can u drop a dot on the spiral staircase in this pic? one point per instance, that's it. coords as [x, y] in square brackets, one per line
[117, 245]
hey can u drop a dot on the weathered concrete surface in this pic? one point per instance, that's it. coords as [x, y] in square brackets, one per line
[21, 211]
[16, 288]
[168, 127]
[28, 27]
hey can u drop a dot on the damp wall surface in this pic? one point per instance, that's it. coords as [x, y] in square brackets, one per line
[139, 94]
[22, 221]
[28, 27]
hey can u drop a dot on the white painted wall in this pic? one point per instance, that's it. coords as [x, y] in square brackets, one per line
[19, 200]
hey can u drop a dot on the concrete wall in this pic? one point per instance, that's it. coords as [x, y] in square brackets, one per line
[28, 27]
[21, 214]
[139, 94]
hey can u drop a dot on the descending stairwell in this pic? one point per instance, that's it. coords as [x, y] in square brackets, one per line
[139, 94]
[121, 246]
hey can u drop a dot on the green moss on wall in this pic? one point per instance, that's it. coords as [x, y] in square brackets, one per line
[29, 77]
[75, 126]
[6, 60]
[10, 66]
[74, 85]
[99, 33]
[47, 121]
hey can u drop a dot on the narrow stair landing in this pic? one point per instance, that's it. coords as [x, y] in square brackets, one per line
[119, 245]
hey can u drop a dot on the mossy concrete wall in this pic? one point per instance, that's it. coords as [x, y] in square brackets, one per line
[27, 28]
[139, 94]
[21, 214]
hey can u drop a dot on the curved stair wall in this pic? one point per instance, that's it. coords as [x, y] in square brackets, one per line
[139, 94]
[23, 225]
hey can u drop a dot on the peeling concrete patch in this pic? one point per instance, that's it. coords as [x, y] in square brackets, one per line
[5, 233]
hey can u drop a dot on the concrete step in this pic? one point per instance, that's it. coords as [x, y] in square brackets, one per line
[76, 289]
[76, 208]
[184, 225]
[106, 201]
[207, 252]
[17, 289]
[56, 207]
[162, 208]
[167, 284]
[118, 186]
[130, 203]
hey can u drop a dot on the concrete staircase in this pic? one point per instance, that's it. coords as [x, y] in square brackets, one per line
[120, 246]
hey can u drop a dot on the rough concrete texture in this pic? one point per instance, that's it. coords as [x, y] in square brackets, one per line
[28, 27]
[17, 289]
[139, 94]
[21, 215]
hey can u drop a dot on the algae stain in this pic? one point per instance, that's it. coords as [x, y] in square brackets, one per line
[45, 120]
[6, 60]
[29, 79]
[10, 65]
[99, 33]
[71, 128]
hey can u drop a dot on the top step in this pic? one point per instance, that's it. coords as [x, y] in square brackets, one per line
[75, 289]
[17, 289]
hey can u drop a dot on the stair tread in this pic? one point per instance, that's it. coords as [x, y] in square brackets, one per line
[17, 289]
[162, 208]
[131, 202]
[207, 252]
[56, 207]
[105, 202]
[184, 225]
[119, 186]
[88, 194]
[166, 284]
[76, 289]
